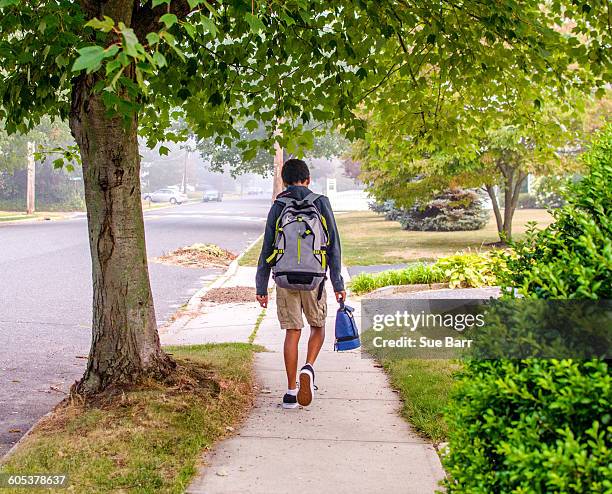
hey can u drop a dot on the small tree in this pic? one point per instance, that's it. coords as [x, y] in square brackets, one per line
[506, 160]
[498, 158]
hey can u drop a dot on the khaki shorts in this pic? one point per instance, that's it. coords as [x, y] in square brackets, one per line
[291, 303]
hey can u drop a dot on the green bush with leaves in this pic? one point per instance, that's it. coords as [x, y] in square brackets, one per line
[540, 426]
[533, 426]
[469, 270]
[572, 258]
[414, 274]
[452, 211]
[460, 271]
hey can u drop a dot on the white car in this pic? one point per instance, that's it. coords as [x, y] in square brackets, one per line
[212, 195]
[165, 195]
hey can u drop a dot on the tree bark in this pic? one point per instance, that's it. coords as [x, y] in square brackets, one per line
[510, 208]
[513, 179]
[498, 217]
[125, 342]
[277, 185]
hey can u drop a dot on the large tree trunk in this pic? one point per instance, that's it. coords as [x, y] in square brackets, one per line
[125, 343]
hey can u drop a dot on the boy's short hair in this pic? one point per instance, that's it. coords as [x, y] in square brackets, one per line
[295, 171]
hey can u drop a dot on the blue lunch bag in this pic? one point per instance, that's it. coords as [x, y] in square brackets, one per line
[347, 334]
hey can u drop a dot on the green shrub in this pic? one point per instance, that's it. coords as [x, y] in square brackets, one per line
[459, 270]
[534, 425]
[469, 270]
[452, 211]
[572, 258]
[549, 191]
[528, 201]
[413, 274]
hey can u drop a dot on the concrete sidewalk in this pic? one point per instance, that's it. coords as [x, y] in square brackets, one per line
[206, 322]
[351, 439]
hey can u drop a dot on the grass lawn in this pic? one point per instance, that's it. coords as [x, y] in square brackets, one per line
[18, 216]
[147, 439]
[425, 387]
[251, 256]
[367, 238]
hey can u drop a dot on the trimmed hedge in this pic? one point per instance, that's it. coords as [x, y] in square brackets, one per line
[540, 426]
[534, 426]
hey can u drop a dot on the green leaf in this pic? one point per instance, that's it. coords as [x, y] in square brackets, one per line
[159, 2]
[191, 31]
[254, 22]
[152, 38]
[163, 150]
[194, 3]
[133, 48]
[169, 20]
[105, 25]
[114, 80]
[171, 40]
[251, 125]
[8, 3]
[90, 58]
[249, 154]
[208, 25]
[159, 59]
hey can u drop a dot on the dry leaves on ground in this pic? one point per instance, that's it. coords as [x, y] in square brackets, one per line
[198, 256]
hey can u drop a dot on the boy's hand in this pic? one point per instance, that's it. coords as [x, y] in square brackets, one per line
[263, 300]
[340, 296]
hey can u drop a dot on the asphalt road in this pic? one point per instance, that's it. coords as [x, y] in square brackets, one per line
[45, 296]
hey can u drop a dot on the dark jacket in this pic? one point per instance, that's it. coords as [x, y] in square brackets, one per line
[333, 249]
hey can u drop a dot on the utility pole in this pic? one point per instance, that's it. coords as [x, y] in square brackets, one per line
[31, 181]
[279, 159]
[185, 170]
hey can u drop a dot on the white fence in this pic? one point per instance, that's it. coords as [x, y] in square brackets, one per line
[349, 200]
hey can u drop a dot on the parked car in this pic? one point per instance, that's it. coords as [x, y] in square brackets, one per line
[212, 195]
[254, 191]
[165, 195]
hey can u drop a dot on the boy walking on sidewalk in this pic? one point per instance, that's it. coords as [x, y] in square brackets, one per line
[300, 241]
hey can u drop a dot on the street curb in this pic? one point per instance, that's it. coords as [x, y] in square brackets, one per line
[40, 219]
[192, 304]
[186, 314]
[14, 447]
[167, 206]
[194, 301]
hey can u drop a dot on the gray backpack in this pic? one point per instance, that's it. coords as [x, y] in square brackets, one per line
[299, 260]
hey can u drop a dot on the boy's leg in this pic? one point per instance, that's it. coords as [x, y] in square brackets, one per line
[292, 338]
[315, 310]
[315, 342]
[289, 311]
